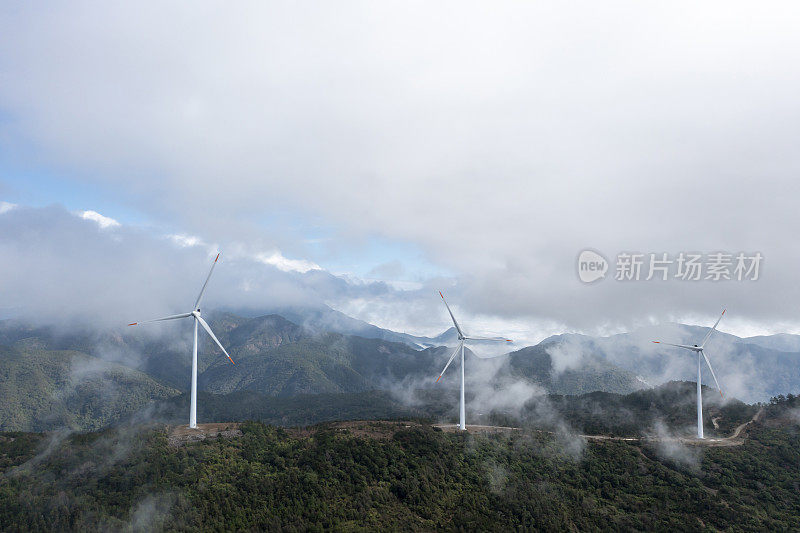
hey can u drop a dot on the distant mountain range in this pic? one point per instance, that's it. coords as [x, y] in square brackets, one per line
[752, 369]
[323, 319]
[88, 379]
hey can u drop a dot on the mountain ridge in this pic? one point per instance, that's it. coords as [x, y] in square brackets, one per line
[280, 358]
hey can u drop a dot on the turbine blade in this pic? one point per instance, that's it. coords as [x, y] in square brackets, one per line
[171, 317]
[693, 348]
[713, 329]
[200, 296]
[211, 333]
[502, 339]
[712, 372]
[448, 362]
[458, 328]
[479, 356]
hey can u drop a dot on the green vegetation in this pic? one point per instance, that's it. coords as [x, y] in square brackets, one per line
[274, 357]
[44, 390]
[591, 373]
[673, 404]
[410, 477]
[301, 410]
[400, 476]
[640, 413]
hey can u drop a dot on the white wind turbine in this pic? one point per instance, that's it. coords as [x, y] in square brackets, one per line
[462, 338]
[197, 320]
[700, 354]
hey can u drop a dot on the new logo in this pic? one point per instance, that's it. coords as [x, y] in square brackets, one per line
[591, 266]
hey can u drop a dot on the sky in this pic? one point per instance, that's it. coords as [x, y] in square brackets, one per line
[367, 154]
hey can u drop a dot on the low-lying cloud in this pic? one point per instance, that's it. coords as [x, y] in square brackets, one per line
[61, 268]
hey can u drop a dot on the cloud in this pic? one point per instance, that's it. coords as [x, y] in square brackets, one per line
[48, 446]
[102, 221]
[566, 355]
[280, 262]
[500, 140]
[390, 269]
[5, 207]
[151, 513]
[61, 269]
[274, 258]
[670, 448]
[186, 240]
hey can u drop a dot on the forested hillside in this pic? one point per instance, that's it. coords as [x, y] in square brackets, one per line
[43, 389]
[404, 476]
[670, 407]
[85, 379]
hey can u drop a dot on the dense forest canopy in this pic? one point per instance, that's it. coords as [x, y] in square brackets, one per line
[398, 475]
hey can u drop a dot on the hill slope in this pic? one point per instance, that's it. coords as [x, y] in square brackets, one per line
[668, 408]
[44, 390]
[278, 358]
[404, 476]
[752, 369]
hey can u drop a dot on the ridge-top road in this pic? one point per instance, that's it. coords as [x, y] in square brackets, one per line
[733, 440]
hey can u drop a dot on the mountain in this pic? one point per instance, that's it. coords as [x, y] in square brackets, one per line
[753, 369]
[672, 405]
[747, 368]
[587, 373]
[325, 363]
[43, 390]
[323, 319]
[277, 357]
[783, 342]
[272, 361]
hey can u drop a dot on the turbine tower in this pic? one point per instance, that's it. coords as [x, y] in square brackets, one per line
[195, 313]
[701, 355]
[462, 339]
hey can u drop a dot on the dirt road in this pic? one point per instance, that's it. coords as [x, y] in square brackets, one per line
[733, 440]
[385, 429]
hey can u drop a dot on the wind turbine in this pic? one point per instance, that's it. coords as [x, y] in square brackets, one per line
[462, 339]
[701, 354]
[197, 320]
